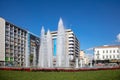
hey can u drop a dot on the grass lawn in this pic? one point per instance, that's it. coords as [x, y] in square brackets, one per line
[83, 75]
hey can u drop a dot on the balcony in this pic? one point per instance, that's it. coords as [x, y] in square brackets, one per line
[15, 49]
[12, 39]
[7, 33]
[22, 50]
[12, 43]
[19, 52]
[11, 33]
[71, 53]
[16, 36]
[22, 45]
[15, 40]
[19, 60]
[71, 39]
[15, 55]
[11, 50]
[22, 57]
[19, 37]
[16, 59]
[19, 42]
[22, 60]
[19, 45]
[7, 58]
[71, 42]
[23, 39]
[70, 50]
[7, 38]
[71, 45]
[11, 59]
[7, 46]
[7, 50]
[7, 54]
[7, 29]
[15, 44]
[19, 56]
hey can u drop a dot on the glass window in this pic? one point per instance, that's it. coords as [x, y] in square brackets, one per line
[6, 59]
[97, 51]
[54, 46]
[110, 56]
[110, 51]
[117, 51]
[103, 51]
[106, 56]
[103, 57]
[113, 56]
[117, 56]
[106, 51]
[113, 51]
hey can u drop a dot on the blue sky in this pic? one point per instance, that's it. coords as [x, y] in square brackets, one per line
[95, 22]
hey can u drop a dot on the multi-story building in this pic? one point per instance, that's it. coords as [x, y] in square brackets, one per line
[16, 45]
[19, 47]
[72, 45]
[106, 54]
[84, 58]
[34, 49]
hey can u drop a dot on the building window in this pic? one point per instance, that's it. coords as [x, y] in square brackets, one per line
[113, 51]
[110, 51]
[103, 57]
[117, 56]
[106, 56]
[106, 51]
[117, 51]
[110, 56]
[97, 57]
[114, 56]
[103, 51]
[98, 52]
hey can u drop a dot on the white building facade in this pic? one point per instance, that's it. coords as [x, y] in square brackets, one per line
[107, 53]
[84, 58]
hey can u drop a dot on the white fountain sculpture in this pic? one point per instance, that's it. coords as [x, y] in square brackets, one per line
[41, 61]
[91, 64]
[61, 53]
[49, 50]
[81, 63]
[46, 51]
[76, 62]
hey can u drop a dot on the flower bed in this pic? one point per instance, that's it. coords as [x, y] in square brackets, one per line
[56, 69]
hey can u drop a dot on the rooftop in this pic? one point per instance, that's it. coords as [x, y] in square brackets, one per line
[109, 46]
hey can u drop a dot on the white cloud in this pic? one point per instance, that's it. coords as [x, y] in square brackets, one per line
[118, 37]
[89, 55]
[89, 49]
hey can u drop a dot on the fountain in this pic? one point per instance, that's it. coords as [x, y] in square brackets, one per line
[42, 49]
[76, 63]
[91, 64]
[81, 63]
[46, 51]
[62, 59]
[49, 50]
